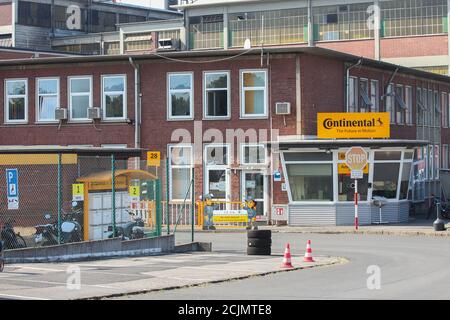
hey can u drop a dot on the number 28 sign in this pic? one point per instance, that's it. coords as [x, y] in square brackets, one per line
[153, 158]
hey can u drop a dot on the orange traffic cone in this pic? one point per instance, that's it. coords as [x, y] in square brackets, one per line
[308, 253]
[287, 258]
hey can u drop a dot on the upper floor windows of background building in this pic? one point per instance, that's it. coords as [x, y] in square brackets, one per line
[114, 97]
[413, 17]
[80, 97]
[34, 14]
[180, 96]
[102, 21]
[16, 100]
[253, 93]
[47, 99]
[342, 22]
[206, 31]
[364, 95]
[216, 95]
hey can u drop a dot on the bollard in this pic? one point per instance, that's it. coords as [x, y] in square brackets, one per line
[438, 224]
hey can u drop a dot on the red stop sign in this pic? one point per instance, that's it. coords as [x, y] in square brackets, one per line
[356, 158]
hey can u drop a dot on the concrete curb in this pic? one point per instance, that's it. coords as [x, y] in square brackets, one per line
[361, 232]
[338, 261]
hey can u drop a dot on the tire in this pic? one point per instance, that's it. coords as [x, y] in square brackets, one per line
[259, 251]
[259, 243]
[259, 234]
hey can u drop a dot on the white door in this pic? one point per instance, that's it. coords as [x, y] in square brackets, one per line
[254, 185]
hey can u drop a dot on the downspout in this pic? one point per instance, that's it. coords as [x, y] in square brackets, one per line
[348, 83]
[137, 105]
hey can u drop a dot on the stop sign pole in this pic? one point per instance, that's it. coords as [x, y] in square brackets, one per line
[356, 159]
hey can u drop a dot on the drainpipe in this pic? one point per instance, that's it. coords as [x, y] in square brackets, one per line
[348, 83]
[137, 105]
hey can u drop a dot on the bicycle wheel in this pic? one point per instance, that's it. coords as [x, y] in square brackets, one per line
[20, 242]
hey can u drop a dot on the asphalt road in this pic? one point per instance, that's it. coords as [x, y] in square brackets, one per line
[410, 268]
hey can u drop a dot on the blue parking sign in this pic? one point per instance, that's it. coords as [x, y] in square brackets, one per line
[12, 183]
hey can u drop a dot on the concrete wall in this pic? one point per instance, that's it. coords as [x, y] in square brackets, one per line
[93, 250]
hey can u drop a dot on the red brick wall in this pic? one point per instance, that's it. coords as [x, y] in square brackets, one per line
[31, 134]
[5, 14]
[414, 46]
[361, 48]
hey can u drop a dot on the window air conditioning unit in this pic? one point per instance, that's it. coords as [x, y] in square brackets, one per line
[168, 44]
[93, 113]
[283, 108]
[61, 114]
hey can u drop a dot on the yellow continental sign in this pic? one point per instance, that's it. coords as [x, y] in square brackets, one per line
[353, 125]
[344, 169]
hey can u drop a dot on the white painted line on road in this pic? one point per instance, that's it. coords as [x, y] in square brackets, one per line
[21, 297]
[43, 269]
[58, 283]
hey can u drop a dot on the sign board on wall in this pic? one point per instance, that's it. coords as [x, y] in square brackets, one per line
[154, 159]
[353, 125]
[78, 192]
[12, 184]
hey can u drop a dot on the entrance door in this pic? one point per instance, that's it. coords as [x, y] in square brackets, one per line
[217, 183]
[254, 185]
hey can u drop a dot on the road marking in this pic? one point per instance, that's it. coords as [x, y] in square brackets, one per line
[58, 283]
[21, 297]
[43, 269]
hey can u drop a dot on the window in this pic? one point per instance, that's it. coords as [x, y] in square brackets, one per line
[353, 94]
[48, 98]
[419, 175]
[180, 96]
[206, 32]
[311, 182]
[400, 105]
[253, 154]
[374, 96]
[216, 155]
[385, 179]
[421, 108]
[310, 176]
[431, 162]
[114, 97]
[16, 100]
[437, 160]
[390, 102]
[346, 191]
[364, 101]
[409, 108]
[444, 110]
[253, 93]
[181, 161]
[34, 14]
[404, 182]
[445, 162]
[80, 97]
[138, 41]
[437, 110]
[217, 98]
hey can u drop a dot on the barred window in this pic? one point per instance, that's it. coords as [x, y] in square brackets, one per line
[206, 32]
[269, 27]
[413, 17]
[138, 41]
[342, 22]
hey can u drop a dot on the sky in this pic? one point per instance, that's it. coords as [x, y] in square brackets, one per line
[153, 3]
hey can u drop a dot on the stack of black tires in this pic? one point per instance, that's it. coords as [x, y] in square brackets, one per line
[259, 242]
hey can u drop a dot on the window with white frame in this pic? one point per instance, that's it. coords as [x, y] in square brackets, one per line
[180, 96]
[114, 99]
[353, 94]
[444, 108]
[47, 98]
[80, 97]
[408, 103]
[400, 105]
[16, 100]
[374, 95]
[390, 102]
[217, 178]
[253, 154]
[437, 109]
[431, 162]
[445, 163]
[217, 98]
[181, 163]
[437, 160]
[419, 174]
[364, 100]
[431, 108]
[253, 93]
